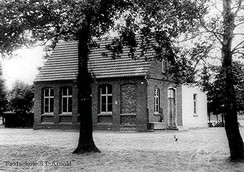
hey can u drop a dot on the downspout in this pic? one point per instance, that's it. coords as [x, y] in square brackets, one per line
[147, 83]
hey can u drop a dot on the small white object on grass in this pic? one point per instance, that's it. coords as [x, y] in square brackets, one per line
[176, 139]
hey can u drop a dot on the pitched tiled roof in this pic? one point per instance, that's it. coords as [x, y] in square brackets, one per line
[63, 63]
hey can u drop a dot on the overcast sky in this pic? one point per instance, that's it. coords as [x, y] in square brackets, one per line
[23, 67]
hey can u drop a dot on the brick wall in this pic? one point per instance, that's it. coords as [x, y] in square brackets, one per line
[122, 113]
[128, 98]
[162, 116]
[56, 119]
[158, 80]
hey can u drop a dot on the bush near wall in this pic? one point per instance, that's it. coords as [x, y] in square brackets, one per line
[15, 120]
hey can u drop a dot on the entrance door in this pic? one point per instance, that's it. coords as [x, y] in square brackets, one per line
[172, 108]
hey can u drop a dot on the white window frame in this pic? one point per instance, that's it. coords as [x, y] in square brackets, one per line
[172, 94]
[68, 96]
[156, 101]
[106, 95]
[49, 97]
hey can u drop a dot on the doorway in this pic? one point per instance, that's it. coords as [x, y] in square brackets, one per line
[172, 108]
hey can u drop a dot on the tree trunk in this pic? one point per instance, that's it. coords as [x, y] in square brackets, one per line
[84, 81]
[209, 117]
[231, 124]
[222, 117]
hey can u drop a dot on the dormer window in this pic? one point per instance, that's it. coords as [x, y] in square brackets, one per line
[164, 65]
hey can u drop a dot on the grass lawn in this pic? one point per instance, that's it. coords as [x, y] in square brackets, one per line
[51, 150]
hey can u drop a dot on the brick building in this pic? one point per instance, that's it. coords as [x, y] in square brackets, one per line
[126, 93]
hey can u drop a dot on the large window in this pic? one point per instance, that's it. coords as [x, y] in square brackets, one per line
[48, 100]
[195, 103]
[156, 101]
[105, 98]
[66, 99]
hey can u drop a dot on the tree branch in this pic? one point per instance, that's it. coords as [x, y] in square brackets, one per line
[238, 7]
[239, 24]
[216, 34]
[239, 34]
[237, 46]
[190, 38]
[240, 52]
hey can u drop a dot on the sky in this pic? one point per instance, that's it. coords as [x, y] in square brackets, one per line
[23, 66]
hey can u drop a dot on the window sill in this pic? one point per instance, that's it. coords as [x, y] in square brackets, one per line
[105, 114]
[65, 123]
[157, 114]
[195, 115]
[128, 114]
[46, 123]
[47, 114]
[65, 114]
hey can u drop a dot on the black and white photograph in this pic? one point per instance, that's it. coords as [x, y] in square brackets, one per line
[122, 85]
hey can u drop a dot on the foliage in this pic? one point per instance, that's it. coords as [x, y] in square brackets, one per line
[29, 21]
[3, 99]
[21, 98]
[158, 22]
[156, 26]
[215, 87]
[225, 32]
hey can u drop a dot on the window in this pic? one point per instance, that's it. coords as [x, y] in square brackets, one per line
[195, 103]
[164, 65]
[48, 100]
[66, 99]
[171, 93]
[156, 100]
[106, 98]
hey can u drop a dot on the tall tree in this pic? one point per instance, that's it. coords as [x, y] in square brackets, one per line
[20, 98]
[231, 124]
[215, 87]
[226, 28]
[206, 85]
[29, 21]
[3, 99]
[159, 21]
